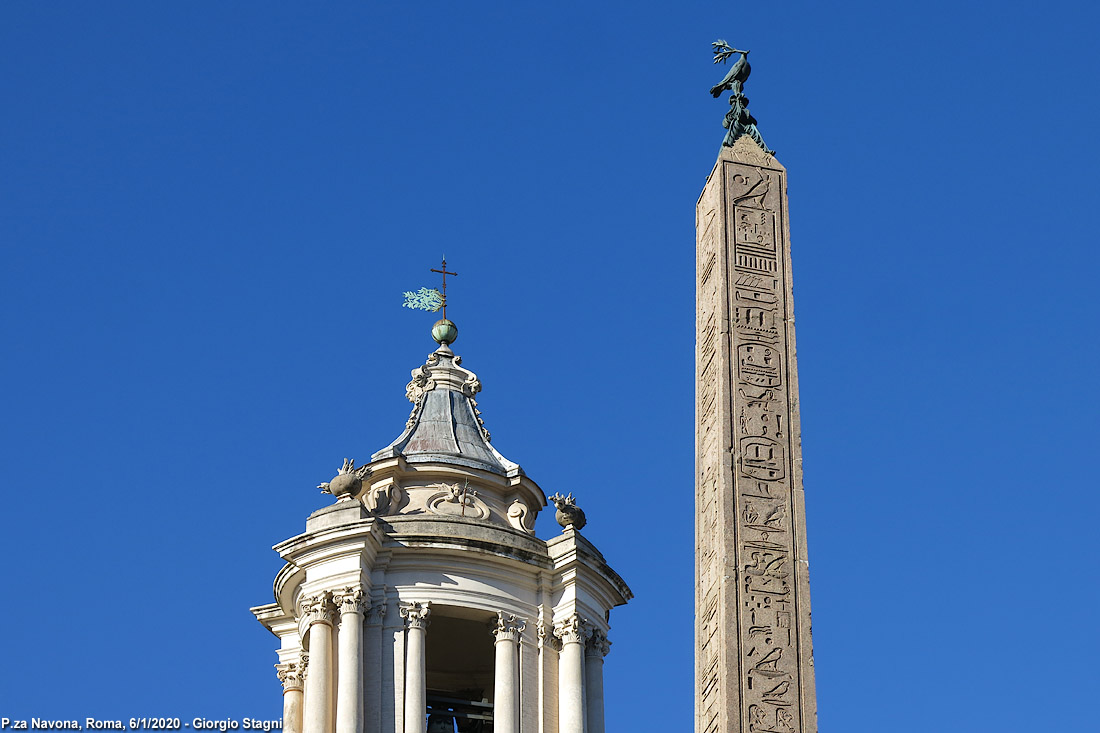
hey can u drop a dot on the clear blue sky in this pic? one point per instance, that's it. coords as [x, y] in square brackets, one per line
[208, 212]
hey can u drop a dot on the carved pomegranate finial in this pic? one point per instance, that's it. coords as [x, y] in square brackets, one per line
[348, 483]
[569, 515]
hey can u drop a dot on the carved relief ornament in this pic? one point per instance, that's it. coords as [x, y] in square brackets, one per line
[545, 634]
[318, 609]
[351, 600]
[416, 614]
[597, 644]
[290, 675]
[508, 627]
[571, 631]
[519, 516]
[453, 500]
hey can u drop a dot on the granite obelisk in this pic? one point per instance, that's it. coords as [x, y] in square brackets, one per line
[753, 654]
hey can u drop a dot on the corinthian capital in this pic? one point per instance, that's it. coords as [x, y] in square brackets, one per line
[571, 631]
[290, 675]
[597, 644]
[508, 627]
[416, 614]
[319, 609]
[376, 612]
[351, 600]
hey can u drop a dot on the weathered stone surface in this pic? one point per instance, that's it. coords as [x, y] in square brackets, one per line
[753, 656]
[334, 515]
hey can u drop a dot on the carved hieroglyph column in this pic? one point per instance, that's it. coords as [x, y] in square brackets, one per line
[571, 675]
[290, 675]
[416, 693]
[349, 697]
[595, 650]
[320, 614]
[753, 656]
[506, 674]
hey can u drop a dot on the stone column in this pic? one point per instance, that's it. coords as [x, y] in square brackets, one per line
[290, 674]
[349, 696]
[571, 675]
[320, 614]
[416, 694]
[595, 650]
[506, 674]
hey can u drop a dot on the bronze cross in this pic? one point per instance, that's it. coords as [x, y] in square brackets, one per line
[466, 486]
[445, 274]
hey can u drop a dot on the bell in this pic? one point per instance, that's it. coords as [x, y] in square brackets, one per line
[440, 723]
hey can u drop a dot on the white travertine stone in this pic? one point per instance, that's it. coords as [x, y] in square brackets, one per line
[416, 694]
[571, 675]
[349, 698]
[441, 519]
[549, 648]
[318, 716]
[290, 675]
[594, 652]
[393, 680]
[506, 674]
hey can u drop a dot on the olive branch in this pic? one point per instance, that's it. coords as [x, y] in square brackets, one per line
[722, 51]
[425, 299]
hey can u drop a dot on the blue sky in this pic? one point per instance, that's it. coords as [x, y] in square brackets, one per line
[208, 212]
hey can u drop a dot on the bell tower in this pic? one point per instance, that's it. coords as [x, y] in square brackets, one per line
[421, 598]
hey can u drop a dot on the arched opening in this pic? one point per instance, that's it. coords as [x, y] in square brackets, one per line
[460, 663]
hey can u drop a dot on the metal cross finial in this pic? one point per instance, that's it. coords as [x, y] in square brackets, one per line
[466, 486]
[445, 274]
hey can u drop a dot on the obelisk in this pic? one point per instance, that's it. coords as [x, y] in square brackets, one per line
[753, 654]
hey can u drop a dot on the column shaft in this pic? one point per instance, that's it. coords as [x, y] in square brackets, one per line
[593, 692]
[570, 690]
[506, 674]
[570, 676]
[292, 711]
[318, 697]
[349, 699]
[504, 688]
[416, 702]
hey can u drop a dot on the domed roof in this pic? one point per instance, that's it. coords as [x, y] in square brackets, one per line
[445, 425]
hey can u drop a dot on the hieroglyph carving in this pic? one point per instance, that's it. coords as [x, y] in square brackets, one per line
[765, 544]
[747, 549]
[710, 330]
